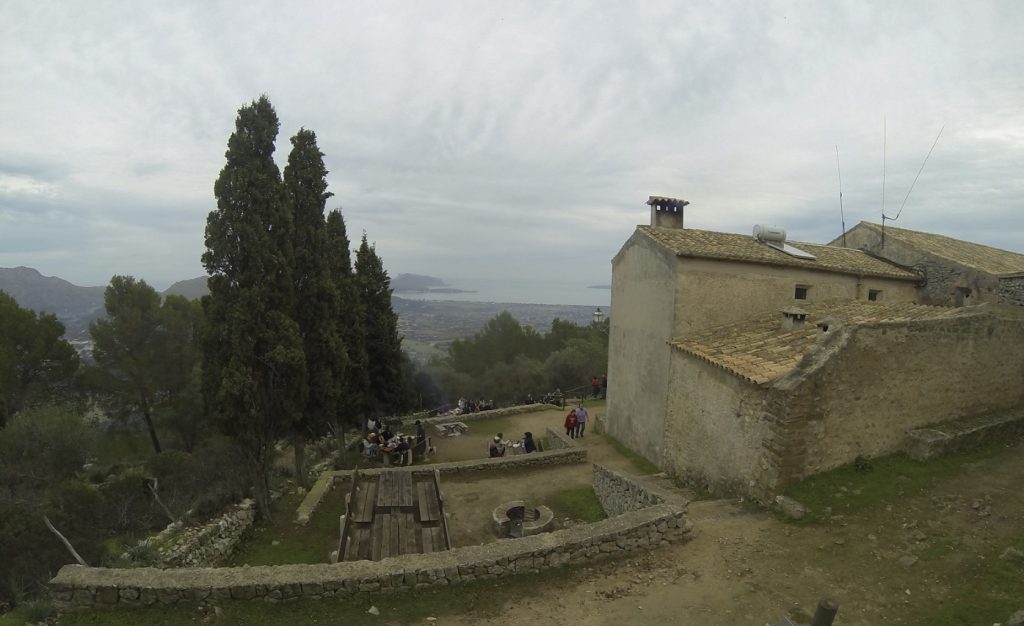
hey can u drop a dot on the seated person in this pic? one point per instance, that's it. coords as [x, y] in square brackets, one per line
[370, 445]
[496, 448]
[528, 443]
[398, 453]
[387, 435]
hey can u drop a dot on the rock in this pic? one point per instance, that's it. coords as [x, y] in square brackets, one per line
[1017, 619]
[790, 507]
[907, 561]
[1012, 554]
[919, 536]
[374, 611]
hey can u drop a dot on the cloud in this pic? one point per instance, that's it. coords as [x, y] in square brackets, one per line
[502, 140]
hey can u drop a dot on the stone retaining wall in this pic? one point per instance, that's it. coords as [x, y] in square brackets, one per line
[619, 492]
[558, 440]
[78, 586]
[206, 545]
[483, 415]
[924, 443]
[566, 452]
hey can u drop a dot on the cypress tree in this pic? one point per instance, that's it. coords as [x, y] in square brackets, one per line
[383, 345]
[305, 183]
[254, 363]
[355, 383]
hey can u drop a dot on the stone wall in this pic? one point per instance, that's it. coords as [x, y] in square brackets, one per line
[858, 394]
[206, 545]
[76, 586]
[483, 415]
[643, 298]
[619, 492]
[569, 453]
[558, 440]
[1011, 290]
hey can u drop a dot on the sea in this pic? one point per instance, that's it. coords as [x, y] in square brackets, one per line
[521, 292]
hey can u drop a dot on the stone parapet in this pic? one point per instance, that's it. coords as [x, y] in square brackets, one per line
[78, 586]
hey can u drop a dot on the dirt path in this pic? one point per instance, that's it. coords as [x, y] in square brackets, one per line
[885, 566]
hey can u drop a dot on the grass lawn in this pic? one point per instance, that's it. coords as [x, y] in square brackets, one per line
[579, 504]
[639, 461]
[311, 543]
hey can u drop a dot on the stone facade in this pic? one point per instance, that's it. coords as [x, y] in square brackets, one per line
[856, 393]
[954, 273]
[632, 530]
[1011, 290]
[658, 294]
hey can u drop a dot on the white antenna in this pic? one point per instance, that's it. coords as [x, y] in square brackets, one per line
[898, 213]
[842, 218]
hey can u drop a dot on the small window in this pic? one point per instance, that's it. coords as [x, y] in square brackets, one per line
[801, 292]
[874, 294]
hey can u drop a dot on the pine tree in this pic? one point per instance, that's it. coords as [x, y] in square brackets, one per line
[383, 344]
[355, 384]
[317, 310]
[254, 362]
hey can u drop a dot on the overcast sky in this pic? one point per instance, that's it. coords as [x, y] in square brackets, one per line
[494, 140]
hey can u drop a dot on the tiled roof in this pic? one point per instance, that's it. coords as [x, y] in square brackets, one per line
[759, 350]
[973, 255]
[688, 242]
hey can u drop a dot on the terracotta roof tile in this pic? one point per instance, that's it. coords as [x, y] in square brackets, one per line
[973, 255]
[759, 350]
[688, 242]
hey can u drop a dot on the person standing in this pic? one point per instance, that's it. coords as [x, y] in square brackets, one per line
[570, 424]
[604, 387]
[595, 386]
[529, 445]
[581, 420]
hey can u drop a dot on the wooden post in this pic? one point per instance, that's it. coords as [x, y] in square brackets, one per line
[826, 612]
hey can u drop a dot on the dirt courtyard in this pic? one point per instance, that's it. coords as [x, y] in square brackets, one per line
[891, 564]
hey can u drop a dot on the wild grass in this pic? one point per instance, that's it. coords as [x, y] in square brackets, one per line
[640, 463]
[282, 542]
[579, 504]
[857, 487]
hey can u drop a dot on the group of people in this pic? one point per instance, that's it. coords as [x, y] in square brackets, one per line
[380, 440]
[576, 422]
[498, 446]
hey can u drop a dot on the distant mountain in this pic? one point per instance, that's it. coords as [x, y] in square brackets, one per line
[418, 283]
[192, 288]
[54, 295]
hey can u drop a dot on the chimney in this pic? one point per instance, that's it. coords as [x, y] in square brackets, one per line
[666, 212]
[793, 318]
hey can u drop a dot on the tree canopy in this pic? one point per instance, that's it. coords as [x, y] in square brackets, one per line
[35, 360]
[254, 363]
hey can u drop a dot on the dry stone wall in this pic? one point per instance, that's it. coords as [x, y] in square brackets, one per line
[619, 492]
[206, 545]
[76, 586]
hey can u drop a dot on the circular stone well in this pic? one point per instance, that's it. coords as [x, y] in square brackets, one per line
[516, 519]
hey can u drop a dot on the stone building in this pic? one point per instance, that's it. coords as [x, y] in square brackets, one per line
[747, 362]
[953, 272]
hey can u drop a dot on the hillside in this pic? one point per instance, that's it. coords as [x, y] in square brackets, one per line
[192, 288]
